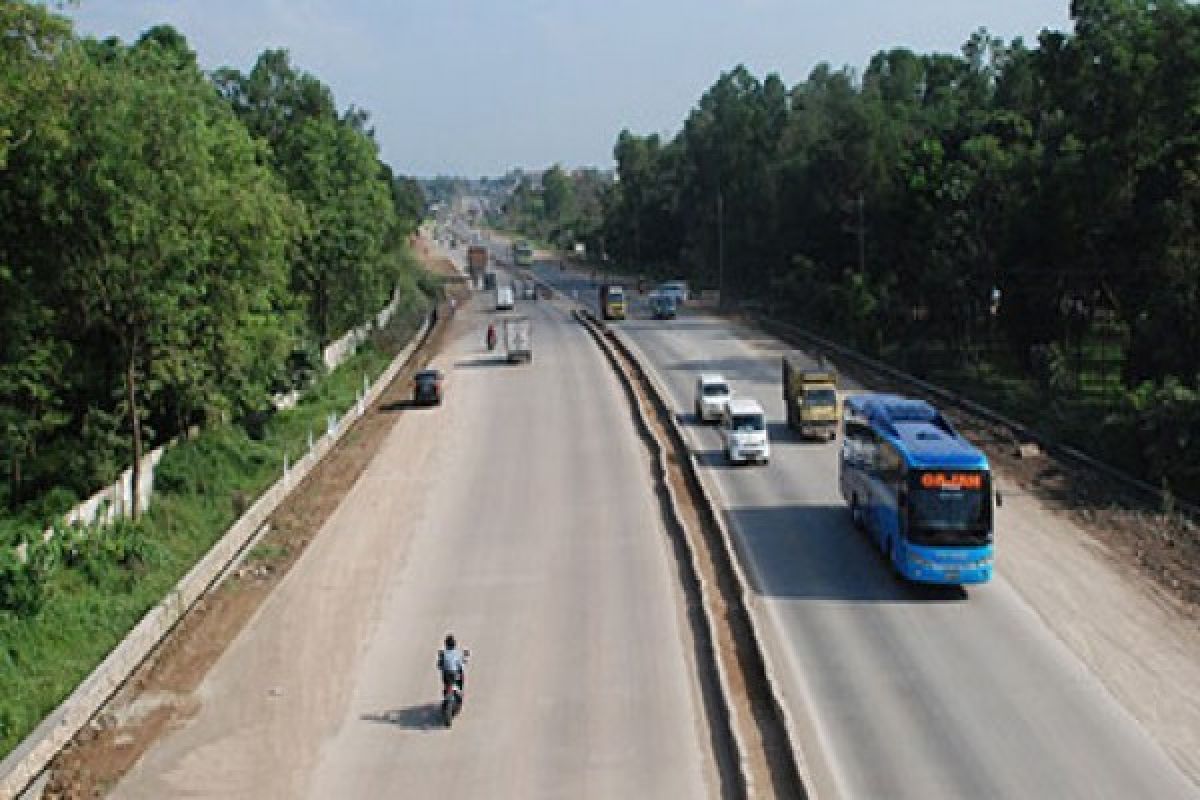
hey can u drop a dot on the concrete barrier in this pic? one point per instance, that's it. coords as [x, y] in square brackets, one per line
[23, 765]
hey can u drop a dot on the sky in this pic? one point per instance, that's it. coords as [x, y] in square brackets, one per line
[477, 87]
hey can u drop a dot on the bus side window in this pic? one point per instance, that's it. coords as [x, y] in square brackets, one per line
[891, 466]
[854, 442]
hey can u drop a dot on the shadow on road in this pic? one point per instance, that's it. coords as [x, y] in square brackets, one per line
[779, 431]
[814, 552]
[423, 717]
[693, 419]
[717, 459]
[405, 405]
[483, 361]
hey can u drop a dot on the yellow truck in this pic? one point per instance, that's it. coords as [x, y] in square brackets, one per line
[612, 301]
[811, 399]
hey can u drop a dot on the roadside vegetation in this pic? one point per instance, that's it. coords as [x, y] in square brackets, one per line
[176, 248]
[1016, 221]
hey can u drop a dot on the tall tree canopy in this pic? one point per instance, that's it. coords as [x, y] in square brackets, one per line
[167, 239]
[1004, 208]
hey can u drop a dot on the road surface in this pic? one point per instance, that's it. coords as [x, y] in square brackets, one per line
[520, 516]
[907, 691]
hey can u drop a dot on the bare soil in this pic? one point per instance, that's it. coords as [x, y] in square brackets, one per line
[158, 695]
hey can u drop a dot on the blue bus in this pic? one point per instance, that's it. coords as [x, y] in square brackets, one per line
[920, 490]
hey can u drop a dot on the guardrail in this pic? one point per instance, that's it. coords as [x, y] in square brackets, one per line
[26, 762]
[1017, 430]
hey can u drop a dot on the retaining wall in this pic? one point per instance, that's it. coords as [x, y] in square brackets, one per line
[24, 764]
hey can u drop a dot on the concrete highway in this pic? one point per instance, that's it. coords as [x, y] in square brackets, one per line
[519, 515]
[899, 690]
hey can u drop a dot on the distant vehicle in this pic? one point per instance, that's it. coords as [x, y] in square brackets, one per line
[612, 301]
[505, 300]
[477, 261]
[662, 306]
[744, 428]
[427, 388]
[489, 281]
[518, 339]
[811, 399]
[523, 254]
[921, 491]
[678, 290]
[529, 290]
[712, 395]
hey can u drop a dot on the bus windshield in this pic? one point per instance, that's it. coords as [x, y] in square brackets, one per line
[949, 508]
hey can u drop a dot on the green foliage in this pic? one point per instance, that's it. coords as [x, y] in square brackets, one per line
[168, 241]
[24, 573]
[566, 208]
[79, 593]
[889, 210]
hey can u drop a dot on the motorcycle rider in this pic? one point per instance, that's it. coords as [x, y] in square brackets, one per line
[452, 663]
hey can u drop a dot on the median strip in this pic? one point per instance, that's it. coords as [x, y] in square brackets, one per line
[749, 727]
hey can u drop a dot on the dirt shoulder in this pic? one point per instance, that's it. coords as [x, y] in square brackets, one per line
[159, 695]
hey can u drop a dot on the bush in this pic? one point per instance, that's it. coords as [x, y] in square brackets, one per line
[1167, 416]
[112, 557]
[24, 576]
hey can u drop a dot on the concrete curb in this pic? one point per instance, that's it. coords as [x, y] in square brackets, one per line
[26, 762]
[731, 557]
[734, 556]
[728, 713]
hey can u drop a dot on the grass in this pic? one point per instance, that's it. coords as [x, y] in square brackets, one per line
[89, 606]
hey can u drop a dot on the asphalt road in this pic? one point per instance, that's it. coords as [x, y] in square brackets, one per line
[899, 690]
[518, 515]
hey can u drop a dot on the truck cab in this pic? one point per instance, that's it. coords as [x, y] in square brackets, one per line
[712, 396]
[744, 429]
[612, 301]
[811, 399]
[662, 306]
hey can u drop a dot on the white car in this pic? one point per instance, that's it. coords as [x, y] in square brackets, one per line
[712, 395]
[744, 428]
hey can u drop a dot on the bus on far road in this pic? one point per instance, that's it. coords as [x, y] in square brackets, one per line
[920, 490]
[523, 254]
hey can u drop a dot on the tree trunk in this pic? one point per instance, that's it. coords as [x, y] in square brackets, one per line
[135, 426]
[14, 495]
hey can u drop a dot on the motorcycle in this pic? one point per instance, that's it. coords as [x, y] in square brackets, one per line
[452, 700]
[452, 696]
